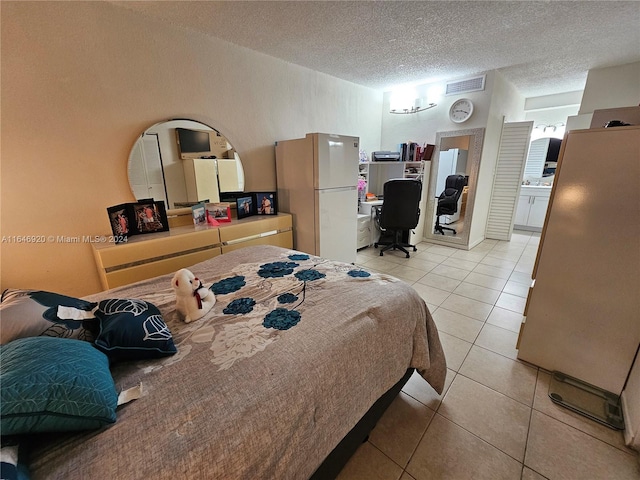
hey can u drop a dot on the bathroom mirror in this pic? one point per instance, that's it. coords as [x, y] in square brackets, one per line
[457, 153]
[542, 160]
[181, 162]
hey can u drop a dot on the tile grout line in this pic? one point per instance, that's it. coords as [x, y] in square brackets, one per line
[522, 464]
[484, 323]
[526, 445]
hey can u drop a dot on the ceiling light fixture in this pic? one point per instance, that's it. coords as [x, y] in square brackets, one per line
[549, 128]
[412, 109]
[406, 100]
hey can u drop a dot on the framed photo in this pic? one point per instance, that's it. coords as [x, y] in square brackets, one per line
[150, 217]
[220, 212]
[266, 203]
[119, 219]
[246, 206]
[199, 214]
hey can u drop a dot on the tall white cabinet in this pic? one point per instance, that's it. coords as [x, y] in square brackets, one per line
[582, 313]
[201, 178]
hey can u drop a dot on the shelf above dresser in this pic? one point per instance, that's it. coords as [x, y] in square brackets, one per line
[150, 255]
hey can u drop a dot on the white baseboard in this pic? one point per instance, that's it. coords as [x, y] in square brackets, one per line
[477, 242]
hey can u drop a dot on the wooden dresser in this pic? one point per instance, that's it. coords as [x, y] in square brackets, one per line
[150, 255]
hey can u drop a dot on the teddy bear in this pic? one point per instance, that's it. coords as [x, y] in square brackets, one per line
[193, 300]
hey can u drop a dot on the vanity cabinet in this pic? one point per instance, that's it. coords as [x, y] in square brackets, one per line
[532, 207]
[150, 255]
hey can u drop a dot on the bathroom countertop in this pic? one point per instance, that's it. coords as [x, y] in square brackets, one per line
[538, 186]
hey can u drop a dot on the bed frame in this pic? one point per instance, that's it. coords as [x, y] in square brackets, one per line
[359, 434]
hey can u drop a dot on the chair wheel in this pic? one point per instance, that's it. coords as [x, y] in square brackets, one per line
[408, 255]
[375, 245]
[380, 253]
[415, 249]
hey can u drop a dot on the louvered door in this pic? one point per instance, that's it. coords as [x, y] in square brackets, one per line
[512, 155]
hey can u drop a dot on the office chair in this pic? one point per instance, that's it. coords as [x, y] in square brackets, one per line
[399, 213]
[448, 200]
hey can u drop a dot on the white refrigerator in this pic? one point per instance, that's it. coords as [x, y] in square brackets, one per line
[317, 179]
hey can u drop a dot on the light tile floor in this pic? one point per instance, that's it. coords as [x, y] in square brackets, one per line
[494, 419]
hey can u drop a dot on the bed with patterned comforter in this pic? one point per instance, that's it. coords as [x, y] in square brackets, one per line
[292, 355]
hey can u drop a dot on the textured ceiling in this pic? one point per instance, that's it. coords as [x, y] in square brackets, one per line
[541, 47]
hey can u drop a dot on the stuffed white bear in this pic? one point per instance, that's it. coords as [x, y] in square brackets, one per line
[193, 300]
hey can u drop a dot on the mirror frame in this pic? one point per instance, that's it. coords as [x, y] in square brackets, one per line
[195, 120]
[475, 142]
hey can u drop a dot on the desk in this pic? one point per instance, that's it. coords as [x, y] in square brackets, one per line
[150, 255]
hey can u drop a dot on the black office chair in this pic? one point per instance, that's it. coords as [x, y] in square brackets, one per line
[448, 200]
[399, 213]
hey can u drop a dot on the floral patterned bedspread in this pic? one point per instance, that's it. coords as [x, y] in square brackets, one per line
[292, 355]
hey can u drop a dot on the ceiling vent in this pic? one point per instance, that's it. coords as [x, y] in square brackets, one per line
[467, 85]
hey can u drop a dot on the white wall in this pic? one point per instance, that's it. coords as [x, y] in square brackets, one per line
[507, 105]
[497, 102]
[80, 81]
[611, 87]
[551, 102]
[422, 127]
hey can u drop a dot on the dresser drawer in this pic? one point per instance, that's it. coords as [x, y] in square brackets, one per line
[364, 231]
[147, 256]
[364, 221]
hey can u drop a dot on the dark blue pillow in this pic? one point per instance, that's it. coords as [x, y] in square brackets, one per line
[132, 329]
[54, 384]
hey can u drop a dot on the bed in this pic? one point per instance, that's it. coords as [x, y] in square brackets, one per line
[295, 352]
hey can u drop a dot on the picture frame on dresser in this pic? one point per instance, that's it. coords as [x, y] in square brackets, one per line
[120, 221]
[266, 203]
[150, 217]
[246, 206]
[199, 214]
[220, 212]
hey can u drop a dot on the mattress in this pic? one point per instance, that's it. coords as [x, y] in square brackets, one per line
[295, 351]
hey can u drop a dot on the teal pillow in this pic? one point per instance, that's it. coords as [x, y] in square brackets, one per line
[132, 329]
[54, 384]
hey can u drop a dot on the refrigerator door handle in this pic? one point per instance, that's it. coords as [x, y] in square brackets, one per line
[337, 189]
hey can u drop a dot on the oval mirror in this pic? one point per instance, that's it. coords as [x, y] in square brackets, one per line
[450, 199]
[183, 162]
